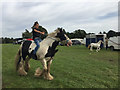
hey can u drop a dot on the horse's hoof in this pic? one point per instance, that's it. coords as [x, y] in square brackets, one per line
[36, 75]
[27, 68]
[38, 72]
[22, 72]
[49, 77]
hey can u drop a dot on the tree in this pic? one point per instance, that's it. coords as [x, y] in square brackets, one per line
[111, 33]
[26, 34]
[7, 40]
[100, 32]
[42, 29]
[79, 33]
[104, 32]
[76, 34]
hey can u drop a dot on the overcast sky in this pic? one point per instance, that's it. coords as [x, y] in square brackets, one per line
[89, 16]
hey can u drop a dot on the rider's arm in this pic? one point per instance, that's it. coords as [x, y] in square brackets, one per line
[38, 31]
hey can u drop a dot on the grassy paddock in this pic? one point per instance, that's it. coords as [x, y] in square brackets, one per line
[72, 67]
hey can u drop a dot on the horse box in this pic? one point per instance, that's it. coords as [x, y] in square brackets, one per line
[93, 38]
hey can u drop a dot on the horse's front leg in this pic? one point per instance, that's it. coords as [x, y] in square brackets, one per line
[40, 72]
[21, 69]
[98, 49]
[27, 65]
[49, 76]
[46, 69]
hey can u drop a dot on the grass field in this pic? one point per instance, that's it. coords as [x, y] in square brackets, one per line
[72, 67]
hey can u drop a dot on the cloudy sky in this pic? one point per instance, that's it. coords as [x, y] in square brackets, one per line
[90, 16]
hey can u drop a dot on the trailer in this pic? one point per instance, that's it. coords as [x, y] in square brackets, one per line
[93, 38]
[114, 43]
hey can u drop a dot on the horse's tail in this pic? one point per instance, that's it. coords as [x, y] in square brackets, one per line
[89, 46]
[17, 59]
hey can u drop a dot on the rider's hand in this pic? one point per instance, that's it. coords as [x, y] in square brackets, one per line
[43, 33]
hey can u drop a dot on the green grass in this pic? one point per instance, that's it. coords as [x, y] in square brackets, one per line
[72, 67]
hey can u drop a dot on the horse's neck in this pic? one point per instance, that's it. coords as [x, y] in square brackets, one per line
[99, 42]
[49, 41]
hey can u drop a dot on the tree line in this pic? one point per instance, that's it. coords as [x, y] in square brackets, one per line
[75, 34]
[6, 40]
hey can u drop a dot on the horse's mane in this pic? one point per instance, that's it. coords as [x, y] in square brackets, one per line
[52, 34]
[99, 41]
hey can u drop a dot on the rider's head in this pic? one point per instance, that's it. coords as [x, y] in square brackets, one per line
[36, 24]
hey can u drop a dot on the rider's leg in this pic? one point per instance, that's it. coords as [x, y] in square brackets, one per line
[40, 39]
[37, 46]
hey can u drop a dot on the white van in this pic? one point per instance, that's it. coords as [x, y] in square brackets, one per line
[114, 43]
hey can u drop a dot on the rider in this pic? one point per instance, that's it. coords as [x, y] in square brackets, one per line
[36, 37]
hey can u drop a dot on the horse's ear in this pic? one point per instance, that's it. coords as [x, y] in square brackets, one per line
[60, 29]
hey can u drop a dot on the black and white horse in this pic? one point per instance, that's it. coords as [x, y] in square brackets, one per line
[44, 54]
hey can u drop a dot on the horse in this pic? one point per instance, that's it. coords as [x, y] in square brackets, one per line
[95, 45]
[45, 53]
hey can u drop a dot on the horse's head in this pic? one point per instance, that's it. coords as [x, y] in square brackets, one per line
[60, 34]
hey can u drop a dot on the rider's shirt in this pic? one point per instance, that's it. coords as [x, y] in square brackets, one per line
[36, 34]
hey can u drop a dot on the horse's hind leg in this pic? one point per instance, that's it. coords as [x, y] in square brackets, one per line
[21, 69]
[27, 65]
[91, 48]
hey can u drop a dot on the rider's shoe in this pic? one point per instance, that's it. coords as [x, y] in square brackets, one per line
[33, 55]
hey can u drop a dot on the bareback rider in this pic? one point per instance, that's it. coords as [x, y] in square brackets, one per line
[36, 37]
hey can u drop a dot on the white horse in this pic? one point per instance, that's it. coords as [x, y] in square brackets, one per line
[44, 54]
[95, 45]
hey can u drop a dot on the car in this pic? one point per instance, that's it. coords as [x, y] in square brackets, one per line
[76, 42]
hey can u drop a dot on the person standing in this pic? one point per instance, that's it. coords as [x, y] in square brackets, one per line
[106, 42]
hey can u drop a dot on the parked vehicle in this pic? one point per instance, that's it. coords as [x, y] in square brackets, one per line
[94, 38]
[18, 41]
[114, 43]
[76, 42]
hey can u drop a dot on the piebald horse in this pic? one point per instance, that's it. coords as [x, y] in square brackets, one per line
[95, 45]
[44, 54]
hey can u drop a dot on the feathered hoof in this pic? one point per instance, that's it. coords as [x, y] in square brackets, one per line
[22, 72]
[27, 68]
[38, 72]
[49, 77]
